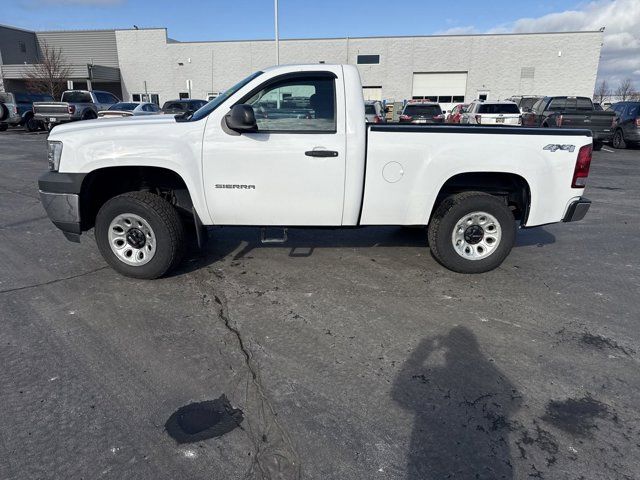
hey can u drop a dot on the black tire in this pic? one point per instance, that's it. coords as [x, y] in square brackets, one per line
[3, 127]
[165, 223]
[48, 126]
[4, 111]
[597, 146]
[618, 140]
[31, 124]
[444, 222]
[89, 115]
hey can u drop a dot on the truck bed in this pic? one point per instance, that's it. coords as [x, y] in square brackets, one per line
[433, 154]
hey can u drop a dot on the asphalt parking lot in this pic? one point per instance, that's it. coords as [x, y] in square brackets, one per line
[352, 354]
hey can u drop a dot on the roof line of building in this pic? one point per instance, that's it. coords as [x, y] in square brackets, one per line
[173, 40]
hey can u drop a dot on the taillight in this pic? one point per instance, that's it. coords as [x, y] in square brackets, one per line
[71, 109]
[638, 122]
[478, 119]
[377, 119]
[614, 121]
[583, 163]
[559, 121]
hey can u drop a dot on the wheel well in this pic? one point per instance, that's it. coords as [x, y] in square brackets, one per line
[103, 184]
[511, 187]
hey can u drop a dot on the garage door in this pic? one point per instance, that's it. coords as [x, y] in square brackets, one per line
[441, 87]
[372, 93]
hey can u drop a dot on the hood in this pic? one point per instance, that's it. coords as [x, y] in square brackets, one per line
[105, 122]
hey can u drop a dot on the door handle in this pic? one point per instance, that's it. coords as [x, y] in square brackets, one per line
[321, 153]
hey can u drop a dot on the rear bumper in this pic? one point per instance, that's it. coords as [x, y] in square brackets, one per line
[577, 210]
[53, 117]
[60, 197]
[603, 136]
[13, 119]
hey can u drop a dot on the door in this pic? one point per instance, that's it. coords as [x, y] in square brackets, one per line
[292, 170]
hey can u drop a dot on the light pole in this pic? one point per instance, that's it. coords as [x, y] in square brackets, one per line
[277, 36]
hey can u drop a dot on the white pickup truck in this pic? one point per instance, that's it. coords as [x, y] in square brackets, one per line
[288, 146]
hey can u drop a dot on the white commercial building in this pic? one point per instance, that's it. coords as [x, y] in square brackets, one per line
[444, 68]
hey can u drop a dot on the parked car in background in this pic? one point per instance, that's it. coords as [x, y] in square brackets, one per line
[374, 112]
[74, 105]
[456, 112]
[572, 112]
[182, 106]
[627, 124]
[481, 112]
[18, 110]
[524, 102]
[421, 112]
[130, 109]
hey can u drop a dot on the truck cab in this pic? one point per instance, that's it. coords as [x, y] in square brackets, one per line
[289, 147]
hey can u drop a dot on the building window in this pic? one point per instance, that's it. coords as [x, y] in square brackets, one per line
[368, 59]
[482, 96]
[23, 47]
[458, 99]
[183, 95]
[527, 72]
[444, 99]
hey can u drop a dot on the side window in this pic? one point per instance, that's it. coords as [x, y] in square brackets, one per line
[301, 104]
[632, 111]
[558, 103]
[147, 108]
[537, 107]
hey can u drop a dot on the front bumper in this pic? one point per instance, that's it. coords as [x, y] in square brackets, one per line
[60, 197]
[577, 210]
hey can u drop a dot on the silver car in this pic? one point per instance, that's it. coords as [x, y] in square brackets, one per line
[129, 109]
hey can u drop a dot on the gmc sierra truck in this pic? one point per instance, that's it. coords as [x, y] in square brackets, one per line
[289, 146]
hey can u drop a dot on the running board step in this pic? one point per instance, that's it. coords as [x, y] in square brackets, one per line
[264, 239]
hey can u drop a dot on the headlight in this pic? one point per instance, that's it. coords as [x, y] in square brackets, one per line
[53, 155]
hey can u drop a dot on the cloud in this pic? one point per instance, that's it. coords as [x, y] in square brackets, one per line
[620, 57]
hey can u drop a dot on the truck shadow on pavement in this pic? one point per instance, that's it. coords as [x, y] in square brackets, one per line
[462, 406]
[302, 242]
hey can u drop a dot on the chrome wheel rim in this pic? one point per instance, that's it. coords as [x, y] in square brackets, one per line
[476, 235]
[132, 239]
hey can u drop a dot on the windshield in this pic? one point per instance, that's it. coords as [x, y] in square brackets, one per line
[215, 103]
[5, 97]
[426, 110]
[528, 103]
[498, 108]
[123, 106]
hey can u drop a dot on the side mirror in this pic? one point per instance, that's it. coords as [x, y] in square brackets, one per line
[242, 119]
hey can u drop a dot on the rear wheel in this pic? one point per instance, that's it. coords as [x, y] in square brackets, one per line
[3, 127]
[618, 140]
[472, 232]
[140, 235]
[31, 124]
[89, 115]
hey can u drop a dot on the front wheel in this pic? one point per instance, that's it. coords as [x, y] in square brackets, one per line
[472, 232]
[31, 124]
[140, 235]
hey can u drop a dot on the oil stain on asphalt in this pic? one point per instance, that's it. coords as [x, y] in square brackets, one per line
[576, 416]
[203, 420]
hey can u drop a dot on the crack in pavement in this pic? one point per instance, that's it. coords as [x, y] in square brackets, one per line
[50, 282]
[275, 456]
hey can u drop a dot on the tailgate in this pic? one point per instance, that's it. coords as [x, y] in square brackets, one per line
[51, 108]
[501, 119]
[594, 121]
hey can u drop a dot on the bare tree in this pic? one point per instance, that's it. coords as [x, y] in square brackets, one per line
[603, 92]
[625, 90]
[51, 74]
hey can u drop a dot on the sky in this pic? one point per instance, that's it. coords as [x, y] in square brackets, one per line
[191, 20]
